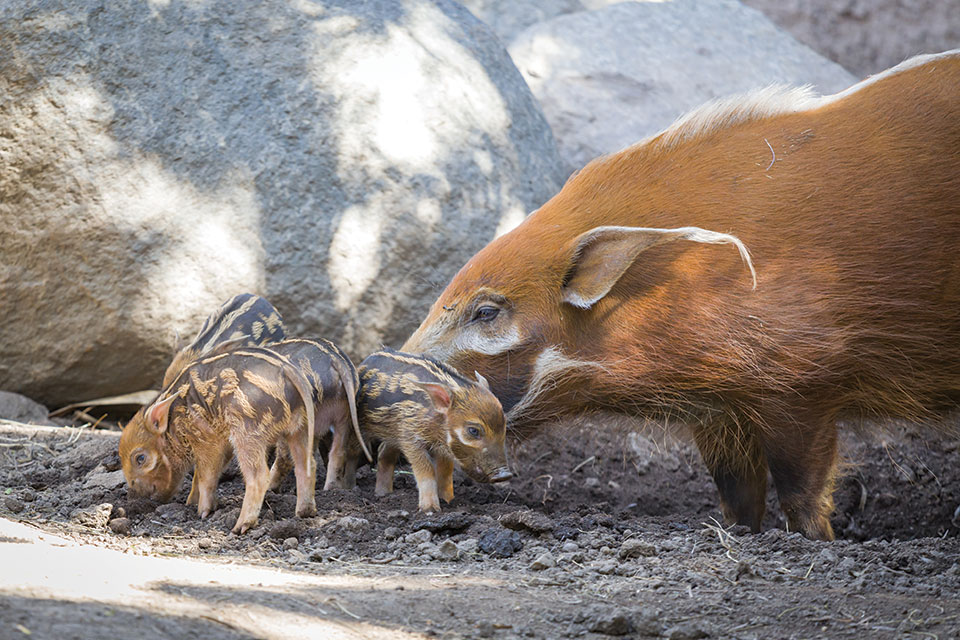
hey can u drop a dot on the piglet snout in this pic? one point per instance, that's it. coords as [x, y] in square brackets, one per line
[501, 475]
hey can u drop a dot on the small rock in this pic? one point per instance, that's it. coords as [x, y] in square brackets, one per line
[605, 568]
[448, 550]
[450, 522]
[468, 546]
[111, 462]
[205, 543]
[352, 523]
[27, 495]
[93, 517]
[285, 529]
[591, 483]
[500, 543]
[296, 557]
[418, 537]
[291, 543]
[543, 561]
[14, 505]
[611, 624]
[391, 533]
[570, 547]
[531, 520]
[120, 526]
[635, 548]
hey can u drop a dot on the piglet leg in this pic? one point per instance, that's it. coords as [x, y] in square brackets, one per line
[256, 476]
[386, 462]
[206, 477]
[305, 468]
[426, 476]
[194, 497]
[282, 465]
[337, 458]
[445, 477]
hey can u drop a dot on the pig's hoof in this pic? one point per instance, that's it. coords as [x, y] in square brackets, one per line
[430, 508]
[242, 527]
[307, 512]
[383, 492]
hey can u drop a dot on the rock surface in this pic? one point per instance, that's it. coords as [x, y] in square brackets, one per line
[610, 77]
[341, 159]
[18, 408]
[867, 36]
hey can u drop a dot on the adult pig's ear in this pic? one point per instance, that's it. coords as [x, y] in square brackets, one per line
[602, 255]
[439, 394]
[158, 414]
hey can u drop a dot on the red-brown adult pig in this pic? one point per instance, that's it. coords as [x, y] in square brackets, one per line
[608, 297]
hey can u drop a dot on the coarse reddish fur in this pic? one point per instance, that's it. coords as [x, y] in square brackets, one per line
[850, 208]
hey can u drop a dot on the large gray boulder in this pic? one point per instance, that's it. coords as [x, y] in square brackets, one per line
[342, 159]
[868, 36]
[610, 77]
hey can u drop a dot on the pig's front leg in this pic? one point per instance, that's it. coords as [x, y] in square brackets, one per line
[386, 462]
[445, 477]
[282, 465]
[426, 476]
[206, 477]
[194, 497]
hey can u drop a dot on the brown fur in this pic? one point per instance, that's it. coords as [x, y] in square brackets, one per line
[334, 382]
[850, 208]
[433, 416]
[244, 401]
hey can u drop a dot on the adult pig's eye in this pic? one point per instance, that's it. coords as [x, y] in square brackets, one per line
[486, 313]
[141, 459]
[473, 432]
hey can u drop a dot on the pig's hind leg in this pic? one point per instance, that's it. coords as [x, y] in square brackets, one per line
[386, 463]
[252, 459]
[305, 468]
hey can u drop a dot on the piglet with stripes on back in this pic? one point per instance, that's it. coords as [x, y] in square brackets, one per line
[435, 417]
[245, 401]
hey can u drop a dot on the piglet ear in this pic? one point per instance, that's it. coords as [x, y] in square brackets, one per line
[158, 414]
[482, 381]
[439, 394]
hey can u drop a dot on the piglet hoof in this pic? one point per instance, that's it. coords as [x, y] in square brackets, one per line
[242, 527]
[332, 484]
[430, 507]
[381, 491]
[307, 511]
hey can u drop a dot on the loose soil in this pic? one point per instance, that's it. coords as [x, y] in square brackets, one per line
[605, 532]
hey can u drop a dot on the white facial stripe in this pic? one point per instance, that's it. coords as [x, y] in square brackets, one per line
[472, 340]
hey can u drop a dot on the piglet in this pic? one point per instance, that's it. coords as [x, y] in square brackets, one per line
[246, 400]
[334, 383]
[433, 416]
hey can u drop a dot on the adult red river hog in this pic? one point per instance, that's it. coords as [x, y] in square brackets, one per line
[838, 290]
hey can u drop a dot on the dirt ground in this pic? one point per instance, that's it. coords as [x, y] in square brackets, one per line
[604, 533]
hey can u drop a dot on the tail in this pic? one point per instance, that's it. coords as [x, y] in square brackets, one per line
[349, 385]
[306, 394]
